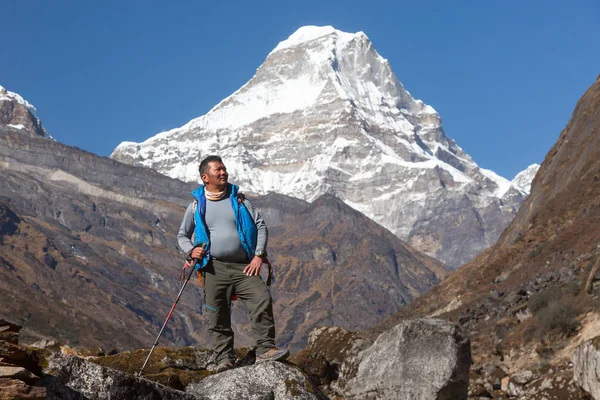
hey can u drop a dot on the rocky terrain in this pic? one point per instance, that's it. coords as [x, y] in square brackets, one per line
[19, 114]
[531, 299]
[325, 113]
[424, 359]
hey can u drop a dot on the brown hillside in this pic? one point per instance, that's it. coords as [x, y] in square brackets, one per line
[530, 298]
[337, 267]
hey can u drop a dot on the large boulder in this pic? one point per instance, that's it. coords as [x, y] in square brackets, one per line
[417, 359]
[586, 366]
[271, 380]
[73, 378]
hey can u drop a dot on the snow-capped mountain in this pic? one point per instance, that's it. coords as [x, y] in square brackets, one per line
[326, 113]
[17, 113]
[524, 178]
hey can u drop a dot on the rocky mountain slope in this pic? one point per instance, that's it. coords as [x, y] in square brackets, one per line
[337, 267]
[532, 298]
[17, 113]
[325, 113]
[88, 253]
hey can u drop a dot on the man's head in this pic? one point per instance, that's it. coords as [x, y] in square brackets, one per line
[213, 173]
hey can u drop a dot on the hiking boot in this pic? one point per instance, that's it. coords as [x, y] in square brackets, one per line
[224, 366]
[273, 354]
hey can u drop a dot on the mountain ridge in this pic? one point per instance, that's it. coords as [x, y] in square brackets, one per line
[327, 114]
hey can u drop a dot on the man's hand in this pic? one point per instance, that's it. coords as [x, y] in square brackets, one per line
[198, 253]
[254, 267]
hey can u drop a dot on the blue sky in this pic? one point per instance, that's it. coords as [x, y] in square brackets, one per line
[504, 75]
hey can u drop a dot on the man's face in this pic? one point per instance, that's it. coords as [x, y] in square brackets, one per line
[217, 175]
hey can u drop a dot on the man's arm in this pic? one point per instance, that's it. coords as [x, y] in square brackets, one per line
[263, 233]
[186, 230]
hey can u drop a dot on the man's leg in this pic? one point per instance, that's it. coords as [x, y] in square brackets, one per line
[255, 295]
[217, 293]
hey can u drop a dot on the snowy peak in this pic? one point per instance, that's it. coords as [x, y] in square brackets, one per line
[16, 113]
[6, 95]
[325, 113]
[524, 178]
[311, 32]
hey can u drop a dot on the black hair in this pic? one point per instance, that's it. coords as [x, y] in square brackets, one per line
[203, 169]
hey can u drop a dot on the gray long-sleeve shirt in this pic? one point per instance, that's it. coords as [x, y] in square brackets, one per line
[220, 220]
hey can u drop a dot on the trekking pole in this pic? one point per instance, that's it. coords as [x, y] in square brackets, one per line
[169, 316]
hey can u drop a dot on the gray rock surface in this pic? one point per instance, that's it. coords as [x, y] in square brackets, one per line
[271, 380]
[73, 378]
[19, 115]
[417, 359]
[586, 366]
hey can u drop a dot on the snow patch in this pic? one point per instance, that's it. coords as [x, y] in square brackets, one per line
[311, 32]
[6, 95]
[503, 184]
[524, 178]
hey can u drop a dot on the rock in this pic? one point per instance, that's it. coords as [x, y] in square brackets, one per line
[523, 314]
[522, 377]
[6, 326]
[417, 359]
[478, 390]
[20, 373]
[13, 389]
[554, 386]
[270, 380]
[502, 277]
[49, 344]
[513, 385]
[10, 337]
[504, 384]
[73, 378]
[586, 366]
[510, 388]
[17, 354]
[9, 332]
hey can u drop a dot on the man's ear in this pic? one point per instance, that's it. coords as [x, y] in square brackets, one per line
[204, 178]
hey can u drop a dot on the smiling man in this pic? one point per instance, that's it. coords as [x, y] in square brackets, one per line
[235, 238]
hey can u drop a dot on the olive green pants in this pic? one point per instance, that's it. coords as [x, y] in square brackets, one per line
[221, 280]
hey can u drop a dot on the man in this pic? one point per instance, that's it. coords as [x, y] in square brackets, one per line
[235, 238]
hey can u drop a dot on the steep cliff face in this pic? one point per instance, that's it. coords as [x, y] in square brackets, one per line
[18, 114]
[529, 300]
[325, 113]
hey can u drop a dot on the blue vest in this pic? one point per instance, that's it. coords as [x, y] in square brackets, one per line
[246, 226]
